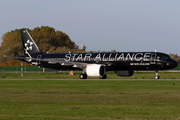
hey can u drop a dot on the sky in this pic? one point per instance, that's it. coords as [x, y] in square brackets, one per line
[102, 25]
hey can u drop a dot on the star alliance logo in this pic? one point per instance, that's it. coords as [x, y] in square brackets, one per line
[28, 45]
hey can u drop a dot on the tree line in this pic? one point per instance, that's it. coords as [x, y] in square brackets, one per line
[48, 40]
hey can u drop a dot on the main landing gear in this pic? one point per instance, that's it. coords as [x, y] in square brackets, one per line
[103, 77]
[157, 76]
[83, 76]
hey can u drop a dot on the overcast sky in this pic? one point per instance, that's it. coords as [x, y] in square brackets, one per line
[105, 25]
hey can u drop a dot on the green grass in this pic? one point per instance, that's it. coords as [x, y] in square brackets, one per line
[177, 68]
[110, 75]
[95, 99]
[25, 68]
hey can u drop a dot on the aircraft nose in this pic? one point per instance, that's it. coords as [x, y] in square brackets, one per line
[174, 64]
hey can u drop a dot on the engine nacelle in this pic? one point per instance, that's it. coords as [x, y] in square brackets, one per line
[95, 70]
[124, 73]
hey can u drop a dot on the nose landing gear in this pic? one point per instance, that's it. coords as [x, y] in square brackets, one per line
[157, 76]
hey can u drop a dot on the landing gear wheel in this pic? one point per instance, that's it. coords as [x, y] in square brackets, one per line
[103, 77]
[83, 76]
[157, 76]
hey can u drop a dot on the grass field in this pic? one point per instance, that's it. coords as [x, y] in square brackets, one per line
[89, 99]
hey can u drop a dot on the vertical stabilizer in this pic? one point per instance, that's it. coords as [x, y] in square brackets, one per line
[29, 45]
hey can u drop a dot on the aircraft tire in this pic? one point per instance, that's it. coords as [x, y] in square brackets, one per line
[83, 76]
[103, 77]
[157, 77]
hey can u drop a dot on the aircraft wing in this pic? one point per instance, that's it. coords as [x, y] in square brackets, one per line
[65, 63]
[81, 65]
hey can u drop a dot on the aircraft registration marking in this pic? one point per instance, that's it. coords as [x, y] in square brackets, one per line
[139, 63]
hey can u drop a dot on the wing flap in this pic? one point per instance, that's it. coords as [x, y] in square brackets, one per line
[64, 63]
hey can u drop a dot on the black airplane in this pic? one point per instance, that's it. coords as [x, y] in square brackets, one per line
[95, 64]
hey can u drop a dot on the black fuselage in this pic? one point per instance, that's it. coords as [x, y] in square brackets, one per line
[114, 61]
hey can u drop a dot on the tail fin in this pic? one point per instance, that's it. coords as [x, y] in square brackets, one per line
[29, 45]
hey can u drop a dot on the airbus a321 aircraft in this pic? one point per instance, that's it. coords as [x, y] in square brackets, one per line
[95, 64]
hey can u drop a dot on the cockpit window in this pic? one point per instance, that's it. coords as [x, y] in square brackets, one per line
[165, 58]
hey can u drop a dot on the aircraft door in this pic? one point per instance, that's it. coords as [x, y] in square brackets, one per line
[153, 58]
[38, 61]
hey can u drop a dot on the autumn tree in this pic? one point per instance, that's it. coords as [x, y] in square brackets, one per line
[175, 57]
[46, 38]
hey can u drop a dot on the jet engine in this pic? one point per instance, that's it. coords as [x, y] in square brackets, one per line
[95, 70]
[124, 73]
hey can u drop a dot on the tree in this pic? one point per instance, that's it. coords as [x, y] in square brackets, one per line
[47, 39]
[175, 57]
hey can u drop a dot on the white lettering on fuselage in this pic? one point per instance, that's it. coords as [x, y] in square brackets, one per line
[138, 57]
[108, 57]
[74, 55]
[98, 57]
[67, 57]
[147, 56]
[139, 63]
[79, 58]
[87, 57]
[121, 57]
